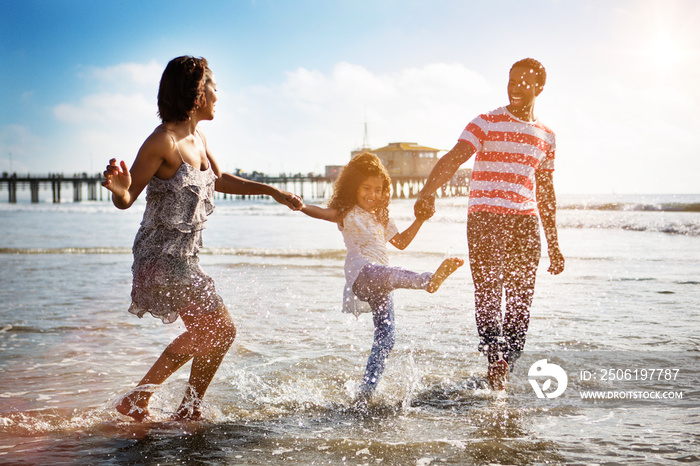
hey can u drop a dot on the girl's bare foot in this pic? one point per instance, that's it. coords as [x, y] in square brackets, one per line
[134, 405]
[445, 270]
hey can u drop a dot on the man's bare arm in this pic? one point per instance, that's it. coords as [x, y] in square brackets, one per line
[442, 172]
[547, 205]
[447, 166]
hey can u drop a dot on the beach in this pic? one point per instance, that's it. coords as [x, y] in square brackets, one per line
[626, 305]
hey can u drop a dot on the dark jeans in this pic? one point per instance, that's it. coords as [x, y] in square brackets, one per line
[504, 252]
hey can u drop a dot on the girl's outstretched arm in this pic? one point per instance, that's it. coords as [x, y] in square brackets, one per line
[403, 239]
[322, 213]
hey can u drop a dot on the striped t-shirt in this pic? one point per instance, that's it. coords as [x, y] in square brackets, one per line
[508, 153]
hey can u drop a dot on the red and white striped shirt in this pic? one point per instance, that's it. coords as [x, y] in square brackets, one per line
[508, 153]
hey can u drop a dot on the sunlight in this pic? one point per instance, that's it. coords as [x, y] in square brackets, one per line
[664, 52]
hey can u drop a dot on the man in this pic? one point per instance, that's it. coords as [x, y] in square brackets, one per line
[511, 184]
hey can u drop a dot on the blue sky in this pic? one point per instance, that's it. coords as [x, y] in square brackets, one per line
[297, 81]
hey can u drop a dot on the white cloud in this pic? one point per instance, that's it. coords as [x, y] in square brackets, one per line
[111, 122]
[617, 134]
[311, 119]
[104, 109]
[613, 135]
[17, 145]
[125, 74]
[125, 92]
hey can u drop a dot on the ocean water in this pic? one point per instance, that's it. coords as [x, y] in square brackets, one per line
[621, 324]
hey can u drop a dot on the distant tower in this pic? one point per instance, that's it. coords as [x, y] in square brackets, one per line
[365, 140]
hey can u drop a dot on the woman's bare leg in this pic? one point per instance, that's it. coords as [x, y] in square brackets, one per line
[203, 370]
[135, 403]
[214, 335]
[208, 338]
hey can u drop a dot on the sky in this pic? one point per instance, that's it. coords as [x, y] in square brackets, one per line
[299, 81]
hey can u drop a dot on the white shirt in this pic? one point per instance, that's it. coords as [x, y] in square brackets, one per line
[365, 239]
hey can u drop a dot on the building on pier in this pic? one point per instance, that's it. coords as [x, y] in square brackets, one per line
[405, 158]
[409, 165]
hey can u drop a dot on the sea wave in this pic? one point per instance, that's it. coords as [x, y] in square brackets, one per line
[256, 207]
[102, 250]
[247, 252]
[674, 223]
[605, 202]
[635, 206]
[281, 253]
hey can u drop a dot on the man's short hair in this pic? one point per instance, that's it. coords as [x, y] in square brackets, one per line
[535, 66]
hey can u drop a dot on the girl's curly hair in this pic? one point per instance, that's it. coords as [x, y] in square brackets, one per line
[181, 87]
[360, 168]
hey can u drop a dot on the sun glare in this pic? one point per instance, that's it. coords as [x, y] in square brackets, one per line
[664, 52]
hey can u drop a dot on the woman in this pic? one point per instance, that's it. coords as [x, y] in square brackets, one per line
[182, 176]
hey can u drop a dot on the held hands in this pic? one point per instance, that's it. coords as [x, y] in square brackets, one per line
[117, 178]
[424, 208]
[294, 202]
[556, 260]
[289, 199]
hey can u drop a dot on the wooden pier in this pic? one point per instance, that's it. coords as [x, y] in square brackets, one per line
[308, 186]
[79, 183]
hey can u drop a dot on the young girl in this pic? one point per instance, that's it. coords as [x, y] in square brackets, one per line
[359, 206]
